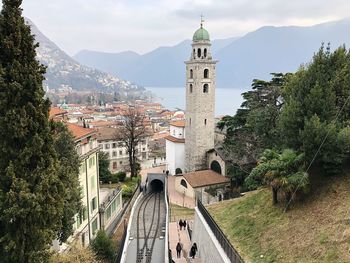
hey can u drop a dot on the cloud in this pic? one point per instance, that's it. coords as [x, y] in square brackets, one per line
[268, 10]
[142, 25]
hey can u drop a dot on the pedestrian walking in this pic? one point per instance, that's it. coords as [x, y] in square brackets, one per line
[178, 250]
[184, 224]
[195, 246]
[180, 224]
[193, 252]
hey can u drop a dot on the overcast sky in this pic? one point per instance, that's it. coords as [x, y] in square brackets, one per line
[142, 25]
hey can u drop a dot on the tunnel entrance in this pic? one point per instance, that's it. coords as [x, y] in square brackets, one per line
[156, 186]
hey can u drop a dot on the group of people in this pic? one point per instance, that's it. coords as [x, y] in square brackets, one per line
[182, 224]
[193, 250]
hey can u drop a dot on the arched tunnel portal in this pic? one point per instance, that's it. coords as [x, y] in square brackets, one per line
[156, 186]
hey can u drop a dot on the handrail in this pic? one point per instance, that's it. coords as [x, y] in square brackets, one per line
[230, 251]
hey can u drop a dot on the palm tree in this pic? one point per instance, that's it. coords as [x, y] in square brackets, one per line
[282, 172]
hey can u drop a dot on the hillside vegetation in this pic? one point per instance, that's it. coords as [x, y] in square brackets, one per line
[316, 230]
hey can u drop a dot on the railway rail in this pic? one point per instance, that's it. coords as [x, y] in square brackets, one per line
[151, 226]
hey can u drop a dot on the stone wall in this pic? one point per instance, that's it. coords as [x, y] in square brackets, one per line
[209, 248]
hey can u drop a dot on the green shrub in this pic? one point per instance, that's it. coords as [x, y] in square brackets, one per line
[127, 191]
[114, 179]
[121, 176]
[103, 246]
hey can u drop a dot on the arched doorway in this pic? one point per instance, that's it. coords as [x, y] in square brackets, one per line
[215, 166]
[178, 171]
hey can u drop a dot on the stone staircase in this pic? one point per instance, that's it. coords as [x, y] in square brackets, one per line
[176, 235]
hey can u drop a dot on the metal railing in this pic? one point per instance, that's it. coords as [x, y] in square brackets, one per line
[125, 210]
[231, 253]
[121, 245]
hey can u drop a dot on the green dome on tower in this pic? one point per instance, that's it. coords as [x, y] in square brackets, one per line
[201, 34]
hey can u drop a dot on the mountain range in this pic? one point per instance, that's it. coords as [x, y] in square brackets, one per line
[65, 72]
[241, 59]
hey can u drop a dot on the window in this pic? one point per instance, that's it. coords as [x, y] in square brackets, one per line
[121, 162]
[205, 53]
[205, 88]
[183, 183]
[120, 144]
[109, 212]
[120, 152]
[79, 220]
[94, 226]
[190, 121]
[191, 73]
[143, 149]
[205, 121]
[84, 213]
[114, 153]
[93, 204]
[114, 165]
[206, 73]
[114, 145]
[107, 146]
[194, 53]
[191, 88]
[199, 52]
[113, 206]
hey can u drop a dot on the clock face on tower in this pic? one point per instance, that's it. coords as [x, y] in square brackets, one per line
[200, 101]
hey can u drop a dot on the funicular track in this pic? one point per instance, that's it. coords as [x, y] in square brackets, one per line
[151, 226]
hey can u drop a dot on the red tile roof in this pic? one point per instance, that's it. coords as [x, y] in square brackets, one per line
[205, 178]
[174, 139]
[55, 111]
[79, 132]
[178, 123]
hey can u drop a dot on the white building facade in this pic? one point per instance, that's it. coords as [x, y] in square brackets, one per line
[175, 148]
[117, 152]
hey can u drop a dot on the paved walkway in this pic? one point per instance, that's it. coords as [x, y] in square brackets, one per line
[177, 198]
[176, 235]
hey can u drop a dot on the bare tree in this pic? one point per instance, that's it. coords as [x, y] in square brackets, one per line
[131, 133]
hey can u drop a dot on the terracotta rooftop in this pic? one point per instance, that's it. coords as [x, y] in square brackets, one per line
[174, 139]
[106, 134]
[79, 132]
[178, 123]
[55, 111]
[205, 178]
[157, 136]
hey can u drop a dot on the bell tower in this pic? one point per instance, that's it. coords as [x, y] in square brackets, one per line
[200, 102]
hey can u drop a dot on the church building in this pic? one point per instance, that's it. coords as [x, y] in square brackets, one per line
[190, 146]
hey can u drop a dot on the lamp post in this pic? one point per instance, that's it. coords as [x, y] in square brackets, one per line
[183, 199]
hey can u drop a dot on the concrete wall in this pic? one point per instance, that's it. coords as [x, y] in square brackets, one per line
[178, 132]
[209, 248]
[213, 156]
[175, 156]
[189, 191]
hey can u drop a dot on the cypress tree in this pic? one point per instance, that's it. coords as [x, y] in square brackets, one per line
[31, 201]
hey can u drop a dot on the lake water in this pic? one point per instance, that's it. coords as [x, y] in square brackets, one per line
[227, 100]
